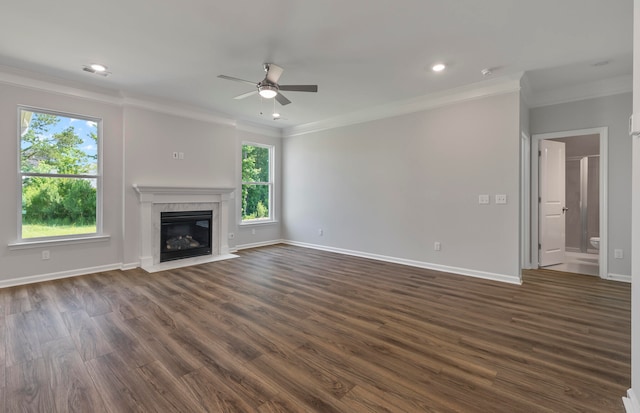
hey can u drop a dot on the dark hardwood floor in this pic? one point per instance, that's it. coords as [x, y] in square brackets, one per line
[287, 329]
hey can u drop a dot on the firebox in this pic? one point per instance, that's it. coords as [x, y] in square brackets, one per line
[185, 234]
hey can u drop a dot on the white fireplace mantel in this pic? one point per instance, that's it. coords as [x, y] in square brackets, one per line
[154, 199]
[175, 194]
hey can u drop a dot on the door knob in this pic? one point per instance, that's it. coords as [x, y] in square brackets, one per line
[564, 209]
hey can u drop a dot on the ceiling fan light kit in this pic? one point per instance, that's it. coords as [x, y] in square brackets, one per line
[269, 88]
[267, 91]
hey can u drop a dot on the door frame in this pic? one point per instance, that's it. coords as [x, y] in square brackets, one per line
[604, 169]
[525, 201]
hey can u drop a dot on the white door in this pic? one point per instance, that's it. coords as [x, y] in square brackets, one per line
[552, 203]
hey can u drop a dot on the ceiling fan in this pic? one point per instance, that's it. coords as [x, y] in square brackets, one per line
[269, 88]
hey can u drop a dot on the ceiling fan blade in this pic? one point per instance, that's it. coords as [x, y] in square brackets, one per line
[273, 72]
[299, 88]
[235, 79]
[246, 95]
[282, 100]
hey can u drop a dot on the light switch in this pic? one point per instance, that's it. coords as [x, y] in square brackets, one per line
[483, 199]
[501, 199]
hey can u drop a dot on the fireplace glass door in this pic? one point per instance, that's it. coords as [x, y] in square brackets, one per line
[185, 234]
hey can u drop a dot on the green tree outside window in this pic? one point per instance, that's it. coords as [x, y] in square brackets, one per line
[59, 174]
[256, 182]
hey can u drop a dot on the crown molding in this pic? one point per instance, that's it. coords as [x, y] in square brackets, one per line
[29, 80]
[259, 129]
[498, 86]
[591, 90]
[176, 109]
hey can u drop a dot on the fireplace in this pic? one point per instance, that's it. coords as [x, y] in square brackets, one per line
[185, 234]
[156, 201]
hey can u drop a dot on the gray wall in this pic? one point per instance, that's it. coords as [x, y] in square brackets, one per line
[613, 112]
[150, 139]
[393, 187]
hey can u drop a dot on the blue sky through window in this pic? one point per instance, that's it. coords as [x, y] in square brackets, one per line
[43, 137]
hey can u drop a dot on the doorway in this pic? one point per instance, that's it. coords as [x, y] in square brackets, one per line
[582, 209]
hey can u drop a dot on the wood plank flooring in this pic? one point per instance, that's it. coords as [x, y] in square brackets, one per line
[287, 329]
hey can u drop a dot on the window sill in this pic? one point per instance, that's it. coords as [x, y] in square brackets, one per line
[258, 223]
[22, 245]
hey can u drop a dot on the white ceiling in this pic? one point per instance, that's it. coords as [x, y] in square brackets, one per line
[361, 53]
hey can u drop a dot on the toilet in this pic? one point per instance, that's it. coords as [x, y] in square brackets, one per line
[595, 242]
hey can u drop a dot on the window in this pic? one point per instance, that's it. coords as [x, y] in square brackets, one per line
[257, 183]
[59, 174]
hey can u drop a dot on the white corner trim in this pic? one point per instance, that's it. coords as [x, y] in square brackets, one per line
[619, 277]
[511, 279]
[526, 91]
[12, 282]
[631, 403]
[259, 244]
[601, 88]
[498, 86]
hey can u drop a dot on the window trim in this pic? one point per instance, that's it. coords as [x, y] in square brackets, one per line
[59, 239]
[271, 184]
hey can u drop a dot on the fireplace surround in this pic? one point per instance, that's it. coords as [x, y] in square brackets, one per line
[155, 200]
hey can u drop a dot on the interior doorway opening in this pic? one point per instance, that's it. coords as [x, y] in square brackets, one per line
[582, 209]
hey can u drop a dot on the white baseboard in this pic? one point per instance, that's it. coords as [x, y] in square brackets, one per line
[619, 277]
[260, 244]
[512, 279]
[57, 275]
[130, 266]
[631, 403]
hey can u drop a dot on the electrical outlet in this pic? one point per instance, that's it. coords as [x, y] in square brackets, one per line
[46, 255]
[320, 232]
[501, 199]
[618, 254]
[180, 155]
[483, 199]
[437, 246]
[253, 231]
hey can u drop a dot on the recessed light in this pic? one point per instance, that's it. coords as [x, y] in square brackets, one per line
[601, 63]
[486, 72]
[439, 67]
[98, 67]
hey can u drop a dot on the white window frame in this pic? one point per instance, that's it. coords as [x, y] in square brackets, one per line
[270, 184]
[60, 239]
